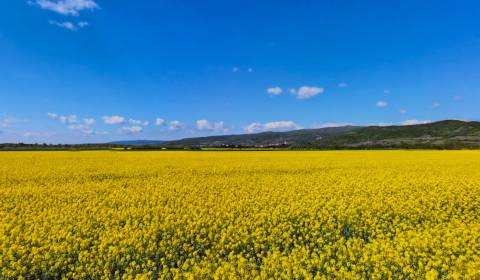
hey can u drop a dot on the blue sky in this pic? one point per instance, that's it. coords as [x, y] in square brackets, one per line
[75, 71]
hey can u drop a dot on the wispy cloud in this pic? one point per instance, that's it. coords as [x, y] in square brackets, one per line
[380, 124]
[306, 92]
[271, 126]
[73, 123]
[132, 129]
[381, 104]
[53, 116]
[206, 125]
[325, 125]
[89, 121]
[83, 128]
[66, 7]
[342, 85]
[175, 125]
[36, 134]
[435, 105]
[274, 90]
[403, 111]
[138, 122]
[113, 120]
[66, 24]
[7, 121]
[281, 125]
[253, 127]
[414, 122]
[69, 25]
[203, 125]
[159, 122]
[72, 119]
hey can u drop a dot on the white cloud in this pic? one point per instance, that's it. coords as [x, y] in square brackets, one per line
[342, 85]
[306, 92]
[219, 126]
[386, 91]
[138, 122]
[85, 129]
[235, 69]
[414, 122]
[71, 120]
[89, 121]
[403, 111]
[274, 90]
[132, 129]
[281, 125]
[5, 122]
[34, 134]
[101, 132]
[74, 123]
[66, 24]
[380, 124]
[69, 25]
[53, 116]
[250, 70]
[175, 125]
[113, 119]
[435, 105]
[205, 125]
[159, 121]
[68, 119]
[271, 126]
[381, 104]
[253, 128]
[66, 7]
[325, 125]
[134, 122]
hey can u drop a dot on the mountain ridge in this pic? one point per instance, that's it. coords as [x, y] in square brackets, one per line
[442, 134]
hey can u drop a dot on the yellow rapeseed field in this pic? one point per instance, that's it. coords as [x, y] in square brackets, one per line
[244, 215]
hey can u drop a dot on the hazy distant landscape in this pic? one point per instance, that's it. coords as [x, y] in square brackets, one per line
[449, 134]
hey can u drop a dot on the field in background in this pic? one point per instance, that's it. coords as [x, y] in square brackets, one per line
[346, 214]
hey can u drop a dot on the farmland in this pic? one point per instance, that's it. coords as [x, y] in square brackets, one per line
[226, 215]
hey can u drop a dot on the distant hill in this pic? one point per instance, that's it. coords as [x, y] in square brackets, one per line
[136, 142]
[449, 134]
[264, 139]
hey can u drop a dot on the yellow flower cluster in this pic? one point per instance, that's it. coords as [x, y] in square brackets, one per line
[240, 215]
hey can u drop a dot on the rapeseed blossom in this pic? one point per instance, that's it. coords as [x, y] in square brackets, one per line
[240, 215]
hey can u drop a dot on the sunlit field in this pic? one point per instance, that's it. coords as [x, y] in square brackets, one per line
[227, 215]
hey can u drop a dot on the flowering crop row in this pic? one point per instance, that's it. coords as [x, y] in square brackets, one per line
[227, 215]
